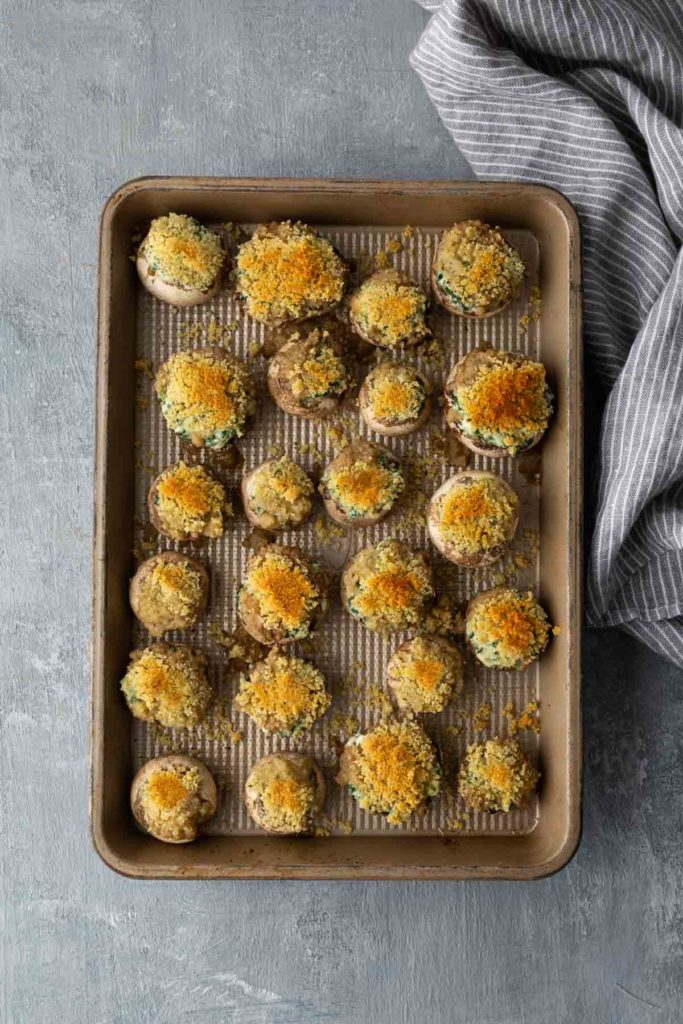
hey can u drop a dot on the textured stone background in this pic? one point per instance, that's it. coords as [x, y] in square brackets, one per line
[95, 92]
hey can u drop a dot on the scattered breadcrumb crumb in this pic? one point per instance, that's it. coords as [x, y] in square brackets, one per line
[528, 719]
[329, 533]
[144, 366]
[342, 726]
[481, 719]
[379, 699]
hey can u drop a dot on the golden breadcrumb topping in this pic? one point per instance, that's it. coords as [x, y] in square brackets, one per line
[282, 490]
[283, 589]
[363, 486]
[511, 622]
[283, 694]
[496, 776]
[170, 802]
[392, 586]
[167, 787]
[395, 770]
[423, 673]
[395, 395]
[170, 587]
[190, 502]
[167, 685]
[318, 373]
[506, 397]
[477, 269]
[389, 309]
[183, 252]
[476, 515]
[203, 395]
[287, 272]
[287, 793]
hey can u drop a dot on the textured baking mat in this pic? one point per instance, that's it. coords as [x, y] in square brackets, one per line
[352, 658]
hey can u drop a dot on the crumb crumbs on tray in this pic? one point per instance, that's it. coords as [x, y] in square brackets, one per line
[528, 719]
[481, 718]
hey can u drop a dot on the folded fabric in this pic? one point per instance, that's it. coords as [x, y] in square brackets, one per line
[587, 96]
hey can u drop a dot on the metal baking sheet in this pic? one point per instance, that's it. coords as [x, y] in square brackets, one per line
[352, 658]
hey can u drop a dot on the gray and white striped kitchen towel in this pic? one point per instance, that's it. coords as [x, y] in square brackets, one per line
[587, 96]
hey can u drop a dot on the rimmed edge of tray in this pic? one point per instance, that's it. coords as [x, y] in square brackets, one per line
[199, 861]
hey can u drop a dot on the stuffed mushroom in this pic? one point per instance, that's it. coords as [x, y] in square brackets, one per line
[506, 628]
[283, 596]
[207, 396]
[277, 495]
[286, 272]
[395, 399]
[496, 776]
[472, 518]
[283, 695]
[388, 586]
[425, 673]
[187, 503]
[172, 796]
[476, 273]
[308, 376]
[167, 683]
[361, 485]
[388, 310]
[180, 261]
[392, 770]
[284, 793]
[498, 402]
[169, 591]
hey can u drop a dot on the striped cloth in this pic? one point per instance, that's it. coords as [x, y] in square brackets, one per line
[587, 96]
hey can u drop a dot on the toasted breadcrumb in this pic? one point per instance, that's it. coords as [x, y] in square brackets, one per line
[508, 628]
[394, 770]
[190, 502]
[168, 685]
[283, 589]
[476, 268]
[286, 271]
[389, 309]
[283, 694]
[476, 515]
[496, 776]
[183, 252]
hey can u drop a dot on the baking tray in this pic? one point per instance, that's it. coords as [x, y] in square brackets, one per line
[365, 220]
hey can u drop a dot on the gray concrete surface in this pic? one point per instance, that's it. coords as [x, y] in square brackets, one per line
[95, 92]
